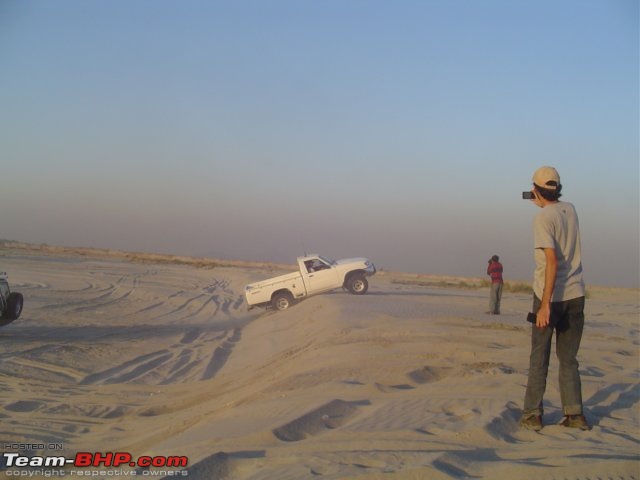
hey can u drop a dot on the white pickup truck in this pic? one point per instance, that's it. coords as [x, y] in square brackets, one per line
[316, 274]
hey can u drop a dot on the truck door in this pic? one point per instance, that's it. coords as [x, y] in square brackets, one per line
[321, 277]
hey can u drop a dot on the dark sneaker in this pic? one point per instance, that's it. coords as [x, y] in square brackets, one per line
[532, 423]
[575, 421]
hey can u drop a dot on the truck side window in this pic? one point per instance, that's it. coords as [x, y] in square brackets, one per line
[309, 265]
[319, 265]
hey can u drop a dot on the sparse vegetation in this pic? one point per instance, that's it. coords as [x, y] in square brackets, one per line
[442, 282]
[463, 283]
[8, 247]
[457, 282]
[468, 283]
[517, 287]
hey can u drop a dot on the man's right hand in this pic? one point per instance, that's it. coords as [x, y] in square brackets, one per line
[543, 316]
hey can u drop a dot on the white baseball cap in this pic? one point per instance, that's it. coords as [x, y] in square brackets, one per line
[547, 177]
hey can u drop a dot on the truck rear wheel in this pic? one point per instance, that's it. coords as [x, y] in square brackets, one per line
[282, 301]
[358, 284]
[14, 306]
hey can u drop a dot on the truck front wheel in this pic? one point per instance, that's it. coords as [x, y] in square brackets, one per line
[358, 284]
[282, 301]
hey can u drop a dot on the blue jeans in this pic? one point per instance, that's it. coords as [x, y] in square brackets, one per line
[567, 320]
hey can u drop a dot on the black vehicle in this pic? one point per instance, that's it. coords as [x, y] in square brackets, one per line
[10, 302]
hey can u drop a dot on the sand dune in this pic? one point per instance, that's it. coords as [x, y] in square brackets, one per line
[411, 381]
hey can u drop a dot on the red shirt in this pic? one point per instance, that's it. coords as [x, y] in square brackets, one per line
[494, 270]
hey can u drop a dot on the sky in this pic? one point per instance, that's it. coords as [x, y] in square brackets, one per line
[402, 131]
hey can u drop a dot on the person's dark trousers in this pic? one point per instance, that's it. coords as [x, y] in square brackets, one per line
[494, 297]
[567, 320]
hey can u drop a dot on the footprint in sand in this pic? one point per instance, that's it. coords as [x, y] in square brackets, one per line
[328, 416]
[428, 374]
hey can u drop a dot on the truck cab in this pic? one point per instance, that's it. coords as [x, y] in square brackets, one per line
[319, 274]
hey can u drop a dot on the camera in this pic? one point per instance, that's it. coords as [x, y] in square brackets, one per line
[528, 196]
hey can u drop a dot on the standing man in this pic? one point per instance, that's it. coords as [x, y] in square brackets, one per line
[558, 304]
[494, 270]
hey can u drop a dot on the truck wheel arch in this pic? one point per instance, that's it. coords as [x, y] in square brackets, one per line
[350, 274]
[282, 299]
[359, 277]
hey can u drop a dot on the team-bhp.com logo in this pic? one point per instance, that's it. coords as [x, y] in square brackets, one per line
[98, 459]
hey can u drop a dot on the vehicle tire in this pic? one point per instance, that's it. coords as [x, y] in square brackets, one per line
[358, 284]
[14, 306]
[282, 301]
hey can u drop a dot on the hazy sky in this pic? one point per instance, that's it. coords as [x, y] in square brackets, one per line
[404, 131]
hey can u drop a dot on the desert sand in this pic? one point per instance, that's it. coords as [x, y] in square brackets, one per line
[411, 381]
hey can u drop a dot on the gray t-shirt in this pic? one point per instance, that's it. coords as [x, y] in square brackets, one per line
[556, 226]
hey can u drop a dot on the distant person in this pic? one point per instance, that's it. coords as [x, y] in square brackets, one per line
[494, 270]
[558, 303]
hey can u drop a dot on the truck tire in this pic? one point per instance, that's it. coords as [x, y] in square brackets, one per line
[358, 284]
[282, 301]
[14, 306]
